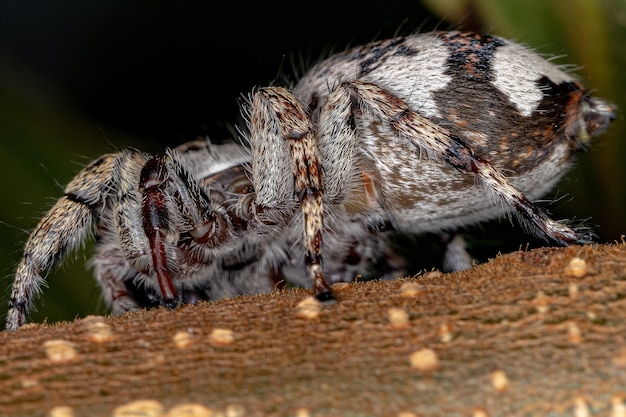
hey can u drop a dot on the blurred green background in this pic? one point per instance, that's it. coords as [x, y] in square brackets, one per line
[81, 78]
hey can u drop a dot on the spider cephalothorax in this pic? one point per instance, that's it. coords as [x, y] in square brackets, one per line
[425, 133]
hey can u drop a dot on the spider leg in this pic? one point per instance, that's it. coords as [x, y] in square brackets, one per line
[456, 257]
[277, 119]
[437, 141]
[66, 225]
[117, 277]
[156, 224]
[173, 203]
[337, 143]
[207, 222]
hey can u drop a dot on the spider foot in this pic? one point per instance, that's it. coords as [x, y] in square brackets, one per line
[326, 297]
[170, 303]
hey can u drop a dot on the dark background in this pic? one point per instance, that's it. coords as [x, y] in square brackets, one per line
[81, 78]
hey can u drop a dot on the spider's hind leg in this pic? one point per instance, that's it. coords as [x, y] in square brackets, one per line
[443, 145]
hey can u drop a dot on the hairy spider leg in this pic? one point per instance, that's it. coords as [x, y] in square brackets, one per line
[156, 224]
[164, 176]
[277, 118]
[66, 225]
[452, 149]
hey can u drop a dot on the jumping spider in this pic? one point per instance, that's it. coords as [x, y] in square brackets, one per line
[425, 133]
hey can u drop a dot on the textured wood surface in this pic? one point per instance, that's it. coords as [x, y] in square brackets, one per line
[530, 333]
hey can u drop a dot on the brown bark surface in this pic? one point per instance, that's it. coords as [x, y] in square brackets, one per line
[529, 333]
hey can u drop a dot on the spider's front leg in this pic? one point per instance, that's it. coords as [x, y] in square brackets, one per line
[172, 204]
[155, 216]
[282, 131]
[66, 225]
